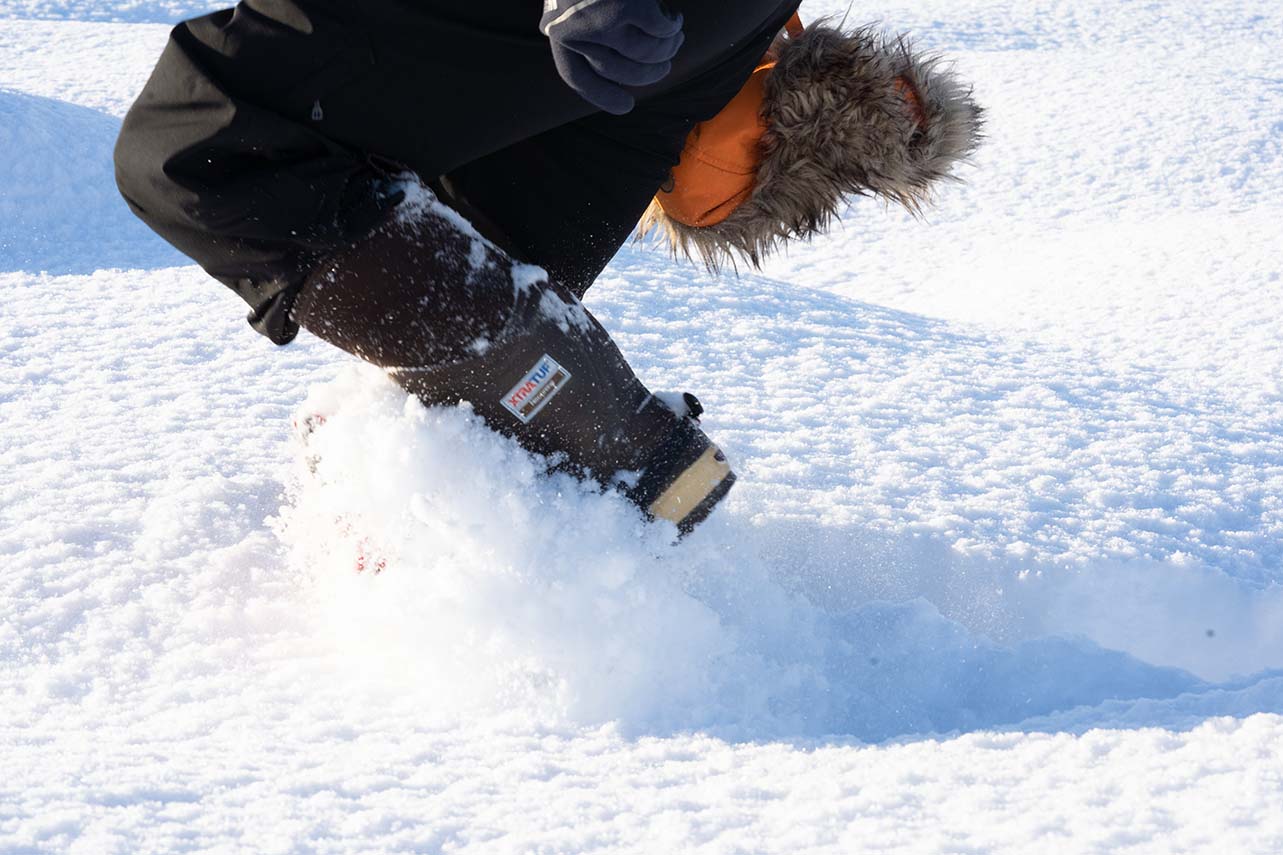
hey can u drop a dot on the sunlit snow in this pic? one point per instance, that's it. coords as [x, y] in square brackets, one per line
[1003, 572]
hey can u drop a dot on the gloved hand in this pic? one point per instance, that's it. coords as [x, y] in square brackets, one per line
[601, 46]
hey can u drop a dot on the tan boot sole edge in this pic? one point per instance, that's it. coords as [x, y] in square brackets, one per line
[691, 487]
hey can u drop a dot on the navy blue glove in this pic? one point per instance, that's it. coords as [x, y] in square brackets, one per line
[601, 46]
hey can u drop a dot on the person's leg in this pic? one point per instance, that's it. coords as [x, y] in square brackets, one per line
[264, 127]
[264, 136]
[253, 147]
[451, 318]
[528, 357]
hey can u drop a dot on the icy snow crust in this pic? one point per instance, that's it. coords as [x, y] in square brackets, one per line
[1002, 572]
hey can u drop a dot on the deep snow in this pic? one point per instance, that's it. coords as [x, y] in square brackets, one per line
[1002, 571]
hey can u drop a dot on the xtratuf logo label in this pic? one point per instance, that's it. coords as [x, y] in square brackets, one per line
[536, 389]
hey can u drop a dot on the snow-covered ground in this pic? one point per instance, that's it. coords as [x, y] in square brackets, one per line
[1003, 572]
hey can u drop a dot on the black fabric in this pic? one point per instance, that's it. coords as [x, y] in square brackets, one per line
[453, 318]
[418, 291]
[265, 138]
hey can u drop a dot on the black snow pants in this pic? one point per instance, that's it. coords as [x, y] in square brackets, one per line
[266, 137]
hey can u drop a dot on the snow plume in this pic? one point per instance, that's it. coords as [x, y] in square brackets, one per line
[501, 584]
[503, 588]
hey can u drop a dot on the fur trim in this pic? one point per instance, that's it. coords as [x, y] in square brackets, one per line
[838, 124]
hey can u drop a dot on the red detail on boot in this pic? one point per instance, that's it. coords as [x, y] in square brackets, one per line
[379, 564]
[303, 428]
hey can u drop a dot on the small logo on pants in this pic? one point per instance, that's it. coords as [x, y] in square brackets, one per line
[536, 389]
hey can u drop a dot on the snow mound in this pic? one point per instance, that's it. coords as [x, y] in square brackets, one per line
[60, 211]
[505, 588]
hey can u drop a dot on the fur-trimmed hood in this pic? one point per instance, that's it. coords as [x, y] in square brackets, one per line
[844, 114]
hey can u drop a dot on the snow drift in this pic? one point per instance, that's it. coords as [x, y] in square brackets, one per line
[503, 587]
[59, 209]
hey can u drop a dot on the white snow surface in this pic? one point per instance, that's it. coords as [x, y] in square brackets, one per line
[1003, 572]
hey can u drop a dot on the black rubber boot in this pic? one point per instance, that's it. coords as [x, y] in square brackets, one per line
[452, 318]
